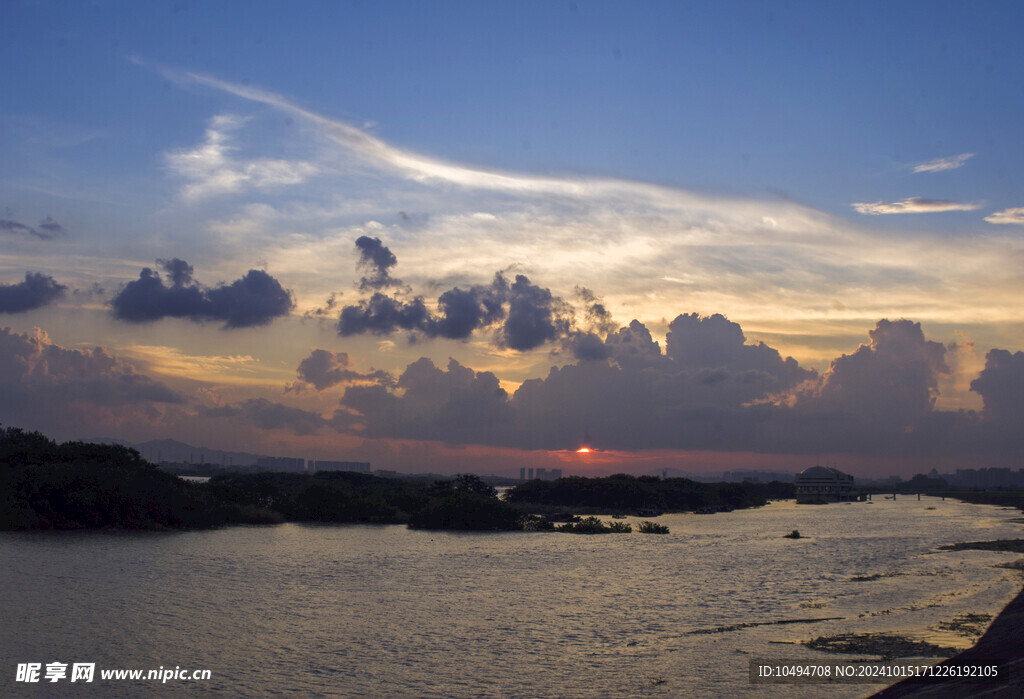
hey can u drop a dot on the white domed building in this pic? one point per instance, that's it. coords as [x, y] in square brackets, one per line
[819, 484]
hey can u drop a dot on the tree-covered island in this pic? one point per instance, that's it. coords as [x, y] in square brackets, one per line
[79, 485]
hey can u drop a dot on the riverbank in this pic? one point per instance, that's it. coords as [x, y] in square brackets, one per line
[1001, 645]
[76, 485]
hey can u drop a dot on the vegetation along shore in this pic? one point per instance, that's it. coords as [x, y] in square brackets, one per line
[77, 485]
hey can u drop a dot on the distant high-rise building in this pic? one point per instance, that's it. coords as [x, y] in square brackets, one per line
[356, 466]
[522, 474]
[281, 463]
[531, 474]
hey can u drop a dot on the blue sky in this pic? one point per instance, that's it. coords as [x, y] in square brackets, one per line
[805, 169]
[822, 101]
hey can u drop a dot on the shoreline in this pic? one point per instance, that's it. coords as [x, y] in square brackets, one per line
[1002, 644]
[232, 548]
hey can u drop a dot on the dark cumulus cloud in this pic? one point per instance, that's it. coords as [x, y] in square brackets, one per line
[1001, 385]
[454, 405]
[598, 319]
[519, 314]
[254, 300]
[893, 380]
[375, 258]
[48, 387]
[323, 369]
[708, 343]
[179, 271]
[463, 311]
[709, 389]
[383, 315]
[535, 316]
[36, 291]
[587, 346]
[523, 315]
[32, 364]
[380, 314]
[271, 415]
[48, 229]
[628, 394]
[587, 343]
[880, 399]
[633, 346]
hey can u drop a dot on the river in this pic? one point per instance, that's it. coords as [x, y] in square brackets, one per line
[386, 611]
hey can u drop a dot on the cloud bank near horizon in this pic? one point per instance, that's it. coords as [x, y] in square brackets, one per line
[709, 390]
[706, 390]
[51, 388]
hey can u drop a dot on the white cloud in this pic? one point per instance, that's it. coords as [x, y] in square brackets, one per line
[650, 251]
[941, 164]
[1007, 216]
[419, 168]
[211, 170]
[913, 205]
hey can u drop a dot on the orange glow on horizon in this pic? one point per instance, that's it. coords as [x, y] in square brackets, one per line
[583, 450]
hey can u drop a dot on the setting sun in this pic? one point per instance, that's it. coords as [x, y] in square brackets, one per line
[346, 310]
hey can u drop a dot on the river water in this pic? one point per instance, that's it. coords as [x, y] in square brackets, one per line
[385, 611]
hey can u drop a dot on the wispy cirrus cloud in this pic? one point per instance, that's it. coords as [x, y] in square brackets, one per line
[420, 168]
[913, 205]
[211, 170]
[172, 362]
[630, 240]
[942, 164]
[550, 225]
[1008, 216]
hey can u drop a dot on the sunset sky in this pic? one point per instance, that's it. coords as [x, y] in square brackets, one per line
[456, 236]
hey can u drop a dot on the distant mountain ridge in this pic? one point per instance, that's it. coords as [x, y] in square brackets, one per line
[173, 451]
[158, 450]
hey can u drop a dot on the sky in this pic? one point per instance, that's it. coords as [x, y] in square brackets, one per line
[463, 236]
